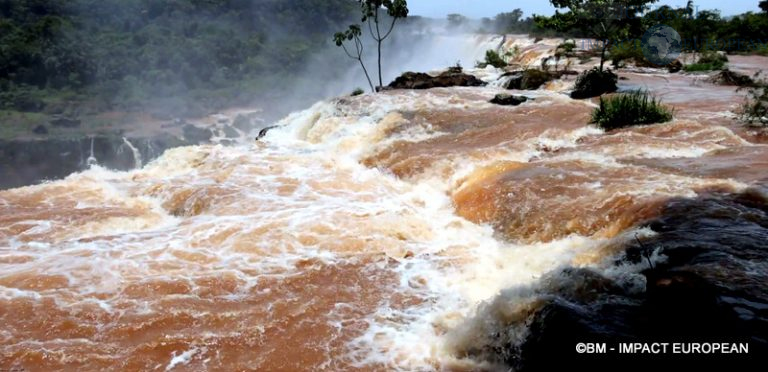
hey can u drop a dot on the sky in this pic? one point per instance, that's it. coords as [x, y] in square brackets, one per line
[489, 8]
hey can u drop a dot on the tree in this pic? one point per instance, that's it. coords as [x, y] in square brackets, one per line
[604, 20]
[764, 6]
[396, 9]
[353, 34]
[375, 17]
[456, 20]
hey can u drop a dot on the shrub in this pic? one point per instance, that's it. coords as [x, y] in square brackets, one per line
[357, 92]
[628, 109]
[494, 59]
[755, 108]
[710, 61]
[593, 83]
[626, 52]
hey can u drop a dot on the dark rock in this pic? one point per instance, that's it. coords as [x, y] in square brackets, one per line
[418, 80]
[675, 67]
[707, 290]
[29, 162]
[263, 132]
[197, 135]
[62, 122]
[531, 79]
[728, 77]
[40, 129]
[594, 83]
[508, 100]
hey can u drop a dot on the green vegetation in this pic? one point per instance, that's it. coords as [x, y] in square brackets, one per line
[628, 109]
[492, 58]
[709, 61]
[755, 108]
[380, 27]
[595, 82]
[602, 20]
[357, 92]
[161, 56]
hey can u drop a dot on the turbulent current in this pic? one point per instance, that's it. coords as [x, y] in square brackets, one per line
[411, 230]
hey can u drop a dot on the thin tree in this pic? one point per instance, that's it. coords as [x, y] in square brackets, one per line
[353, 34]
[372, 14]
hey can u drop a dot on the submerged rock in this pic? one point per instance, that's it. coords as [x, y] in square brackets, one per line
[40, 129]
[508, 99]
[675, 66]
[419, 80]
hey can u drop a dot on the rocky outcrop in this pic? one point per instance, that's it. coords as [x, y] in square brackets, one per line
[508, 100]
[708, 288]
[29, 161]
[675, 67]
[530, 79]
[728, 77]
[451, 78]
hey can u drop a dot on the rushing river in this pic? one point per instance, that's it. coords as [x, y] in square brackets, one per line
[411, 230]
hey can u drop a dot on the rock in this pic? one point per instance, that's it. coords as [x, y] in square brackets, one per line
[40, 129]
[194, 134]
[62, 122]
[418, 80]
[705, 289]
[675, 67]
[530, 79]
[728, 77]
[508, 99]
[593, 83]
[263, 132]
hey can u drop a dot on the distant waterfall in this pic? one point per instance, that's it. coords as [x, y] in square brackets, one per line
[137, 161]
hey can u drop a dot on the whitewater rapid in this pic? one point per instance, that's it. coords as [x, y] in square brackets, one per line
[382, 231]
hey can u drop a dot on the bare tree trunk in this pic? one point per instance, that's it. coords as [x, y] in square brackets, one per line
[367, 76]
[379, 41]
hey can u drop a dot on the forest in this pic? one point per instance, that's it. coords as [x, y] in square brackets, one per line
[167, 57]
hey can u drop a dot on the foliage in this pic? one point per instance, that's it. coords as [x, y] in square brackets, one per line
[630, 51]
[709, 61]
[754, 111]
[595, 82]
[494, 59]
[456, 20]
[628, 109]
[135, 54]
[603, 20]
[357, 92]
[353, 34]
[373, 15]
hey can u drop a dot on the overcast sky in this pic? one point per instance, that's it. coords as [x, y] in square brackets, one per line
[489, 8]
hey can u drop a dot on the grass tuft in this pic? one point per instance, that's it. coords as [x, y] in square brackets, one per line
[628, 109]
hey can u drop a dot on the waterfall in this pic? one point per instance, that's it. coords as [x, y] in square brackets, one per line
[92, 161]
[136, 153]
